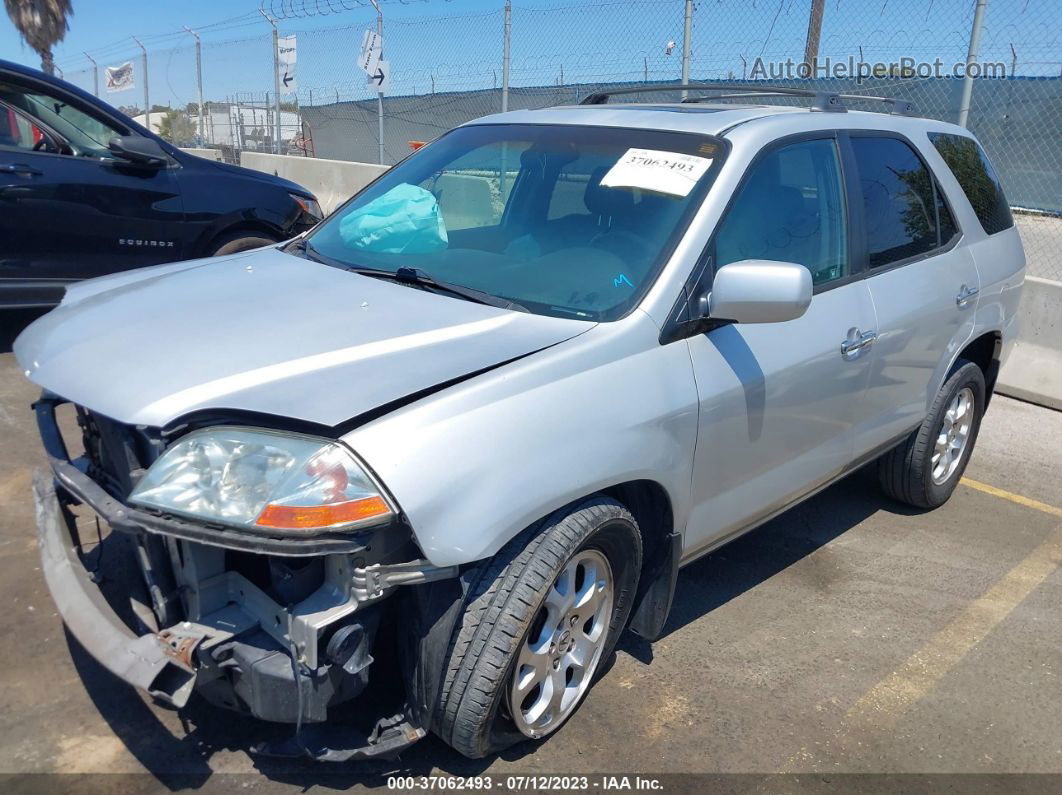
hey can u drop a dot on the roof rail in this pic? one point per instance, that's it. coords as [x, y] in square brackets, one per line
[822, 101]
[897, 107]
[825, 101]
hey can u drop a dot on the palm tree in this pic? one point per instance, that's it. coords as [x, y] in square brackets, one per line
[42, 23]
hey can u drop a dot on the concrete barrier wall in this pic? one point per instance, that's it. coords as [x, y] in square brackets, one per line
[1033, 370]
[209, 154]
[331, 181]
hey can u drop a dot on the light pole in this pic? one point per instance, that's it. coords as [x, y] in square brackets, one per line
[971, 59]
[276, 77]
[199, 83]
[147, 101]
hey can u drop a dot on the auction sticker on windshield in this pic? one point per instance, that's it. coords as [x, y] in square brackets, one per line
[651, 169]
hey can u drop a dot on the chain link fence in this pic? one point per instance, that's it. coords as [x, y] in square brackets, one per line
[450, 68]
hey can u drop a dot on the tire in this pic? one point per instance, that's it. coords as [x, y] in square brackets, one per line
[911, 472]
[510, 597]
[239, 241]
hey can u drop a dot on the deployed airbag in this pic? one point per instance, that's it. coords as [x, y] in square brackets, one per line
[405, 220]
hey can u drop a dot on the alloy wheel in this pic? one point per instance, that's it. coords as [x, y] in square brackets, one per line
[953, 436]
[558, 658]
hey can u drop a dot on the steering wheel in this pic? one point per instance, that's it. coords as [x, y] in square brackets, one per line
[41, 145]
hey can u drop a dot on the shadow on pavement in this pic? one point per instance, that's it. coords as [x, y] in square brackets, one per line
[12, 321]
[181, 757]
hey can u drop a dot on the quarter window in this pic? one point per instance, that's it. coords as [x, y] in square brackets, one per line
[899, 201]
[790, 208]
[969, 164]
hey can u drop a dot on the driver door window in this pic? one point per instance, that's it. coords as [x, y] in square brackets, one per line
[790, 208]
[18, 131]
[81, 133]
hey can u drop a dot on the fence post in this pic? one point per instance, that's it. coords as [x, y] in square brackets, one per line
[379, 94]
[276, 81]
[147, 100]
[199, 84]
[95, 75]
[971, 59]
[506, 36]
[687, 43]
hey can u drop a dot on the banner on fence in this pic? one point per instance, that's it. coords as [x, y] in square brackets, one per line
[120, 78]
[286, 55]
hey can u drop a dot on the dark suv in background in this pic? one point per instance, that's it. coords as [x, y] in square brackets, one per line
[85, 191]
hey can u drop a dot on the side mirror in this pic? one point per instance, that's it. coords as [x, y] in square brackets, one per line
[759, 291]
[138, 149]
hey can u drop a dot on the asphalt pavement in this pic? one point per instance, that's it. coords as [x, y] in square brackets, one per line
[849, 635]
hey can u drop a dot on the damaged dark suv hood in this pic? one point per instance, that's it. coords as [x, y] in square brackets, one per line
[268, 332]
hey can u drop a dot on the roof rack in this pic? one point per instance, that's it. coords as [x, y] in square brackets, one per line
[822, 101]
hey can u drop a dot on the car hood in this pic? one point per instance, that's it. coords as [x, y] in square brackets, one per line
[267, 332]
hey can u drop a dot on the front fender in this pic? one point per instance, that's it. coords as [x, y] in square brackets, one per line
[475, 464]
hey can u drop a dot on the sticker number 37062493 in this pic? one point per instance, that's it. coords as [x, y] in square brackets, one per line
[650, 169]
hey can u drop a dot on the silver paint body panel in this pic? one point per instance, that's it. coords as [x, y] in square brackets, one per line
[733, 424]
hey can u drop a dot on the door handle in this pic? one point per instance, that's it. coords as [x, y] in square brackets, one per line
[964, 296]
[862, 340]
[19, 168]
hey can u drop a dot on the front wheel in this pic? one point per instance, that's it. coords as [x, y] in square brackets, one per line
[239, 241]
[924, 470]
[539, 620]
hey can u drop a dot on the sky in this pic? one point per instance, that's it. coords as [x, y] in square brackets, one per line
[456, 44]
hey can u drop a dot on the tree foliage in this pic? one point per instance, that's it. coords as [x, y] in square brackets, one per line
[42, 24]
[177, 128]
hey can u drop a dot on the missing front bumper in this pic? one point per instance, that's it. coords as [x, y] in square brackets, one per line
[166, 664]
[145, 661]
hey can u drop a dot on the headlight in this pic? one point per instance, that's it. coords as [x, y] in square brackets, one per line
[309, 206]
[263, 480]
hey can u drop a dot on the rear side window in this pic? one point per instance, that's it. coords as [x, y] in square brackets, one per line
[900, 201]
[969, 164]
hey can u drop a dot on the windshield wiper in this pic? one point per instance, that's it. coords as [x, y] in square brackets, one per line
[413, 276]
[421, 278]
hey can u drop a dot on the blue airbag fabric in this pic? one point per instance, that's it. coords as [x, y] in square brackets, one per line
[405, 220]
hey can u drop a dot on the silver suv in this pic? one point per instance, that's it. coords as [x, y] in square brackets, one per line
[457, 438]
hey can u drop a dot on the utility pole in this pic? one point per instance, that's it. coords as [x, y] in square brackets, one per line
[379, 94]
[147, 100]
[199, 83]
[971, 59]
[276, 80]
[95, 75]
[687, 45]
[505, 54]
[811, 48]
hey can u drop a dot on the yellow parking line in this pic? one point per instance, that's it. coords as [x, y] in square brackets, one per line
[884, 703]
[1016, 498]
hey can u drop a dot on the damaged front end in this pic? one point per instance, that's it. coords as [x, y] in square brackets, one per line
[274, 625]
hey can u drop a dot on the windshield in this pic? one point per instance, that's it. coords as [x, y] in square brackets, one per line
[563, 220]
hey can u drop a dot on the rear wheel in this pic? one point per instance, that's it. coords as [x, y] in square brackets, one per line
[925, 469]
[539, 620]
